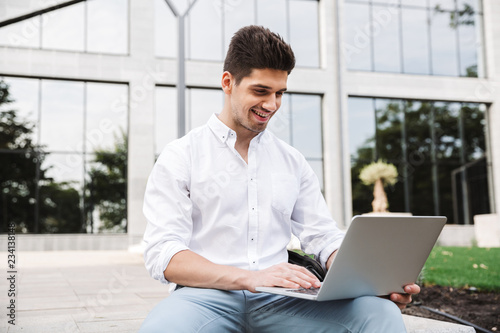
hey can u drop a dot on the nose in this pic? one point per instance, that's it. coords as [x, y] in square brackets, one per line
[271, 103]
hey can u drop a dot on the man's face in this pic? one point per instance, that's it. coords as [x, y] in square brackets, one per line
[257, 98]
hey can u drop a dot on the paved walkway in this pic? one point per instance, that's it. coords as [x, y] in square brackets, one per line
[105, 291]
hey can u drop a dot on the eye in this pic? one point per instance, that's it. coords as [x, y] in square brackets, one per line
[280, 93]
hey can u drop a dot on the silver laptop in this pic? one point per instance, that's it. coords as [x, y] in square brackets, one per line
[378, 256]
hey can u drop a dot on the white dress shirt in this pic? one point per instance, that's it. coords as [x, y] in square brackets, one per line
[202, 196]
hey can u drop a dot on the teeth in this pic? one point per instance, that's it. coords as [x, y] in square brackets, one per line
[263, 115]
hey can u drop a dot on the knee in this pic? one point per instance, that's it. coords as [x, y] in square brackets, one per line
[380, 315]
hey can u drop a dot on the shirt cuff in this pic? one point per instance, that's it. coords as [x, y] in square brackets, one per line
[168, 251]
[325, 254]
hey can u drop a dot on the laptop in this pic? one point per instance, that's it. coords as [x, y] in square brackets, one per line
[378, 256]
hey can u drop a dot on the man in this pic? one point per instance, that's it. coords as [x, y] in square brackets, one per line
[222, 203]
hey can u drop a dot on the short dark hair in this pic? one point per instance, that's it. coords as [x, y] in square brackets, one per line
[256, 47]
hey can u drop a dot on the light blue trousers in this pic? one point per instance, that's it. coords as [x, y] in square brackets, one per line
[190, 310]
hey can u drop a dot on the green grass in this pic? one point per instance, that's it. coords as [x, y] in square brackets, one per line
[463, 267]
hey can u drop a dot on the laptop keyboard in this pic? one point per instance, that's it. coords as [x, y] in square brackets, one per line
[311, 291]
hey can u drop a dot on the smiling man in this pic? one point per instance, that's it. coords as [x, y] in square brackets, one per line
[222, 203]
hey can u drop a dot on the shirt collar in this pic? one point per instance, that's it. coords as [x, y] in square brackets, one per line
[223, 132]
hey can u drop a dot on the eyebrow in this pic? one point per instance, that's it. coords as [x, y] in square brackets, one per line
[265, 87]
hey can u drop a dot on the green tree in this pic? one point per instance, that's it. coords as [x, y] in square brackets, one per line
[107, 187]
[18, 167]
[30, 199]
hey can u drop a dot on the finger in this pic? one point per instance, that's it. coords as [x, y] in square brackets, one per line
[306, 275]
[400, 298]
[412, 289]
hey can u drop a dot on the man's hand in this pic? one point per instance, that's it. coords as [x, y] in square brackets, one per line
[283, 275]
[402, 300]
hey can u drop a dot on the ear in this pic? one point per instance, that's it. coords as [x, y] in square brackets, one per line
[227, 82]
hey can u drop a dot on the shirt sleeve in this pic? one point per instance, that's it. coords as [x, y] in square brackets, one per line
[167, 208]
[312, 222]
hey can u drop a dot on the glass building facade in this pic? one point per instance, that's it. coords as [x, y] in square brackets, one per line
[89, 99]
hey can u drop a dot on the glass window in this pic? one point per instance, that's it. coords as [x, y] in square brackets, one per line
[61, 123]
[443, 44]
[60, 194]
[415, 41]
[106, 116]
[417, 3]
[63, 29]
[474, 125]
[237, 14]
[165, 31]
[273, 15]
[390, 120]
[304, 34]
[22, 34]
[361, 128]
[205, 32]
[469, 45]
[107, 21]
[306, 125]
[280, 122]
[386, 45]
[442, 4]
[466, 5]
[202, 104]
[439, 151]
[46, 182]
[165, 117]
[357, 44]
[24, 96]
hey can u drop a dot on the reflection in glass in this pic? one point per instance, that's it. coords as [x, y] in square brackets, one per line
[202, 104]
[61, 125]
[419, 3]
[165, 31]
[415, 41]
[439, 151]
[418, 172]
[237, 14]
[107, 24]
[24, 96]
[280, 123]
[443, 45]
[469, 46]
[106, 116]
[446, 127]
[205, 32]
[390, 130]
[63, 29]
[442, 4]
[474, 126]
[64, 168]
[356, 46]
[304, 34]
[165, 117]
[475, 5]
[273, 15]
[43, 184]
[306, 125]
[60, 194]
[106, 188]
[22, 34]
[386, 46]
[361, 128]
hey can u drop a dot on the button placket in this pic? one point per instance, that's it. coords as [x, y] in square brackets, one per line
[253, 217]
